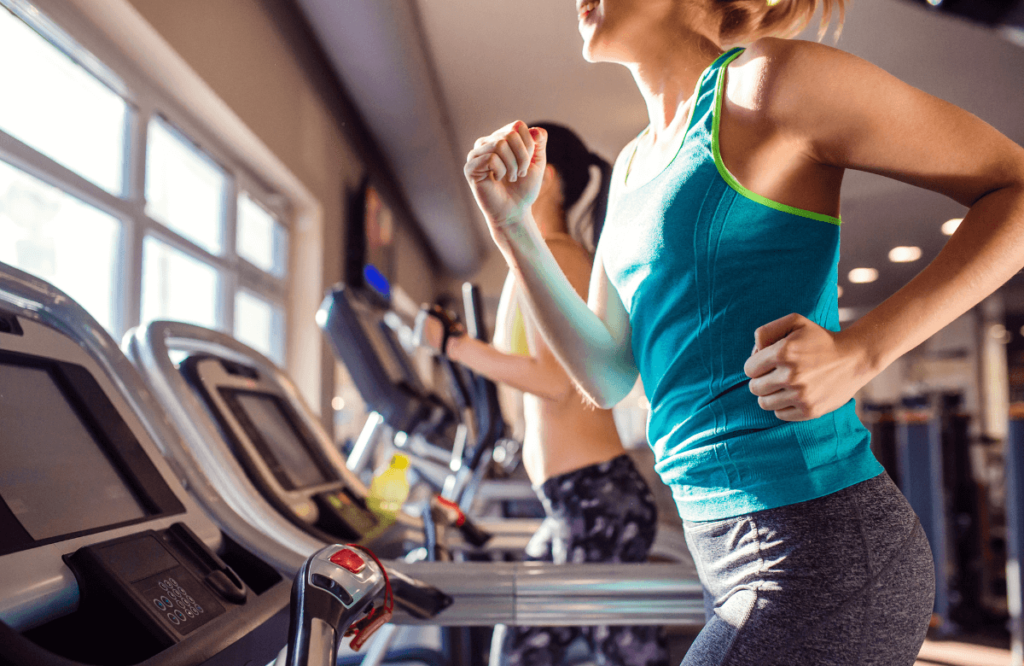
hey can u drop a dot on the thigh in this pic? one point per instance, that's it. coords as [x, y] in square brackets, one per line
[831, 581]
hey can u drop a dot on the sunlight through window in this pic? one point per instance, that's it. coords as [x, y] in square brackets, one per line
[62, 240]
[177, 286]
[184, 188]
[57, 107]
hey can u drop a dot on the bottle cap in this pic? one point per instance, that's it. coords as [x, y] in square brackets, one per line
[400, 461]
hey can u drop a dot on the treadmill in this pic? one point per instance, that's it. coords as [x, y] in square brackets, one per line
[105, 558]
[355, 324]
[484, 593]
[252, 438]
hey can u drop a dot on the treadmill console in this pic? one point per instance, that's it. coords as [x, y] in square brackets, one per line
[279, 454]
[104, 558]
[71, 466]
[353, 322]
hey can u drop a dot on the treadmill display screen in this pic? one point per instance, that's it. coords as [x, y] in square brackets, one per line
[55, 477]
[281, 438]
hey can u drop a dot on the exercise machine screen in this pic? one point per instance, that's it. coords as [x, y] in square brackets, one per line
[56, 479]
[276, 432]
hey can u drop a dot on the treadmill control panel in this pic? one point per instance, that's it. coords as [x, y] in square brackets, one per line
[169, 580]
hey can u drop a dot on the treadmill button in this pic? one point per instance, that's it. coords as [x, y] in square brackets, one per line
[349, 561]
[333, 587]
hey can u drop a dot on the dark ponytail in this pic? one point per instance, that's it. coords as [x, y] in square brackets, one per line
[599, 207]
[572, 160]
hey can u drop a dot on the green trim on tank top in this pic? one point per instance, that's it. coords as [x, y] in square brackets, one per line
[730, 179]
[725, 57]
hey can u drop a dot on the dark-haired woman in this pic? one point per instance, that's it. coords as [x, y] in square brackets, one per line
[598, 506]
[722, 234]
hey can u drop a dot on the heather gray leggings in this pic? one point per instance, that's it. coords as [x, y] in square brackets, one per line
[846, 579]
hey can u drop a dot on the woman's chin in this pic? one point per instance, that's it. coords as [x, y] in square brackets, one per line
[591, 50]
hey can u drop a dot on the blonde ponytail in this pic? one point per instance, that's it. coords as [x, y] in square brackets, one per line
[744, 21]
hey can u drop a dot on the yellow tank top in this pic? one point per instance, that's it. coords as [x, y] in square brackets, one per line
[517, 335]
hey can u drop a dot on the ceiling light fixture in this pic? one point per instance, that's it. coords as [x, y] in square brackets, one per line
[950, 226]
[904, 254]
[846, 314]
[863, 275]
[839, 291]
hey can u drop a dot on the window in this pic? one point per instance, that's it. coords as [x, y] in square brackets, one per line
[259, 324]
[60, 239]
[177, 286]
[104, 186]
[184, 188]
[57, 107]
[262, 240]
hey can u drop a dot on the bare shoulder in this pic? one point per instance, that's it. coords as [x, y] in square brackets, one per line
[790, 80]
[563, 246]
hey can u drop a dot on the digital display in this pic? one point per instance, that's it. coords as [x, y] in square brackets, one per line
[281, 438]
[55, 477]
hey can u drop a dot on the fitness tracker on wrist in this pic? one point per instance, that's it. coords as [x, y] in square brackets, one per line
[451, 327]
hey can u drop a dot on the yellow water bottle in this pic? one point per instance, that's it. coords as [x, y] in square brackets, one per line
[389, 490]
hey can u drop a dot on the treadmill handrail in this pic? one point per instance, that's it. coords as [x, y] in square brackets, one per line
[546, 594]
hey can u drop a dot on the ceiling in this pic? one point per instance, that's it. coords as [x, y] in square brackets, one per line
[430, 76]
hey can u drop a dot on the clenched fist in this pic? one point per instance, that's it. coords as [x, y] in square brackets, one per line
[505, 170]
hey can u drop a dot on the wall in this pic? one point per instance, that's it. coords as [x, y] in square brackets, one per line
[256, 56]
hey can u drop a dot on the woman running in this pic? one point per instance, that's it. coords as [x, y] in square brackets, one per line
[598, 506]
[715, 280]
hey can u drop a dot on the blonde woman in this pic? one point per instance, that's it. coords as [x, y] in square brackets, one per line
[715, 280]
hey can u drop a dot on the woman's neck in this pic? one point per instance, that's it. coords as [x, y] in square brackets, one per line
[549, 216]
[666, 71]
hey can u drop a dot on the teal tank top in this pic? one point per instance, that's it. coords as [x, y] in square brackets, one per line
[700, 262]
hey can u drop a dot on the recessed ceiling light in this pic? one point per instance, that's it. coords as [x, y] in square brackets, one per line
[904, 254]
[999, 332]
[950, 226]
[839, 290]
[846, 314]
[863, 275]
[338, 403]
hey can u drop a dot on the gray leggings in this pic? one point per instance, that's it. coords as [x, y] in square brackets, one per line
[846, 579]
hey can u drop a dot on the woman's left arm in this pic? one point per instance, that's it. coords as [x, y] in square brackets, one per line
[847, 113]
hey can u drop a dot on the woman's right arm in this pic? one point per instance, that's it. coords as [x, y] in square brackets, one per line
[592, 341]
